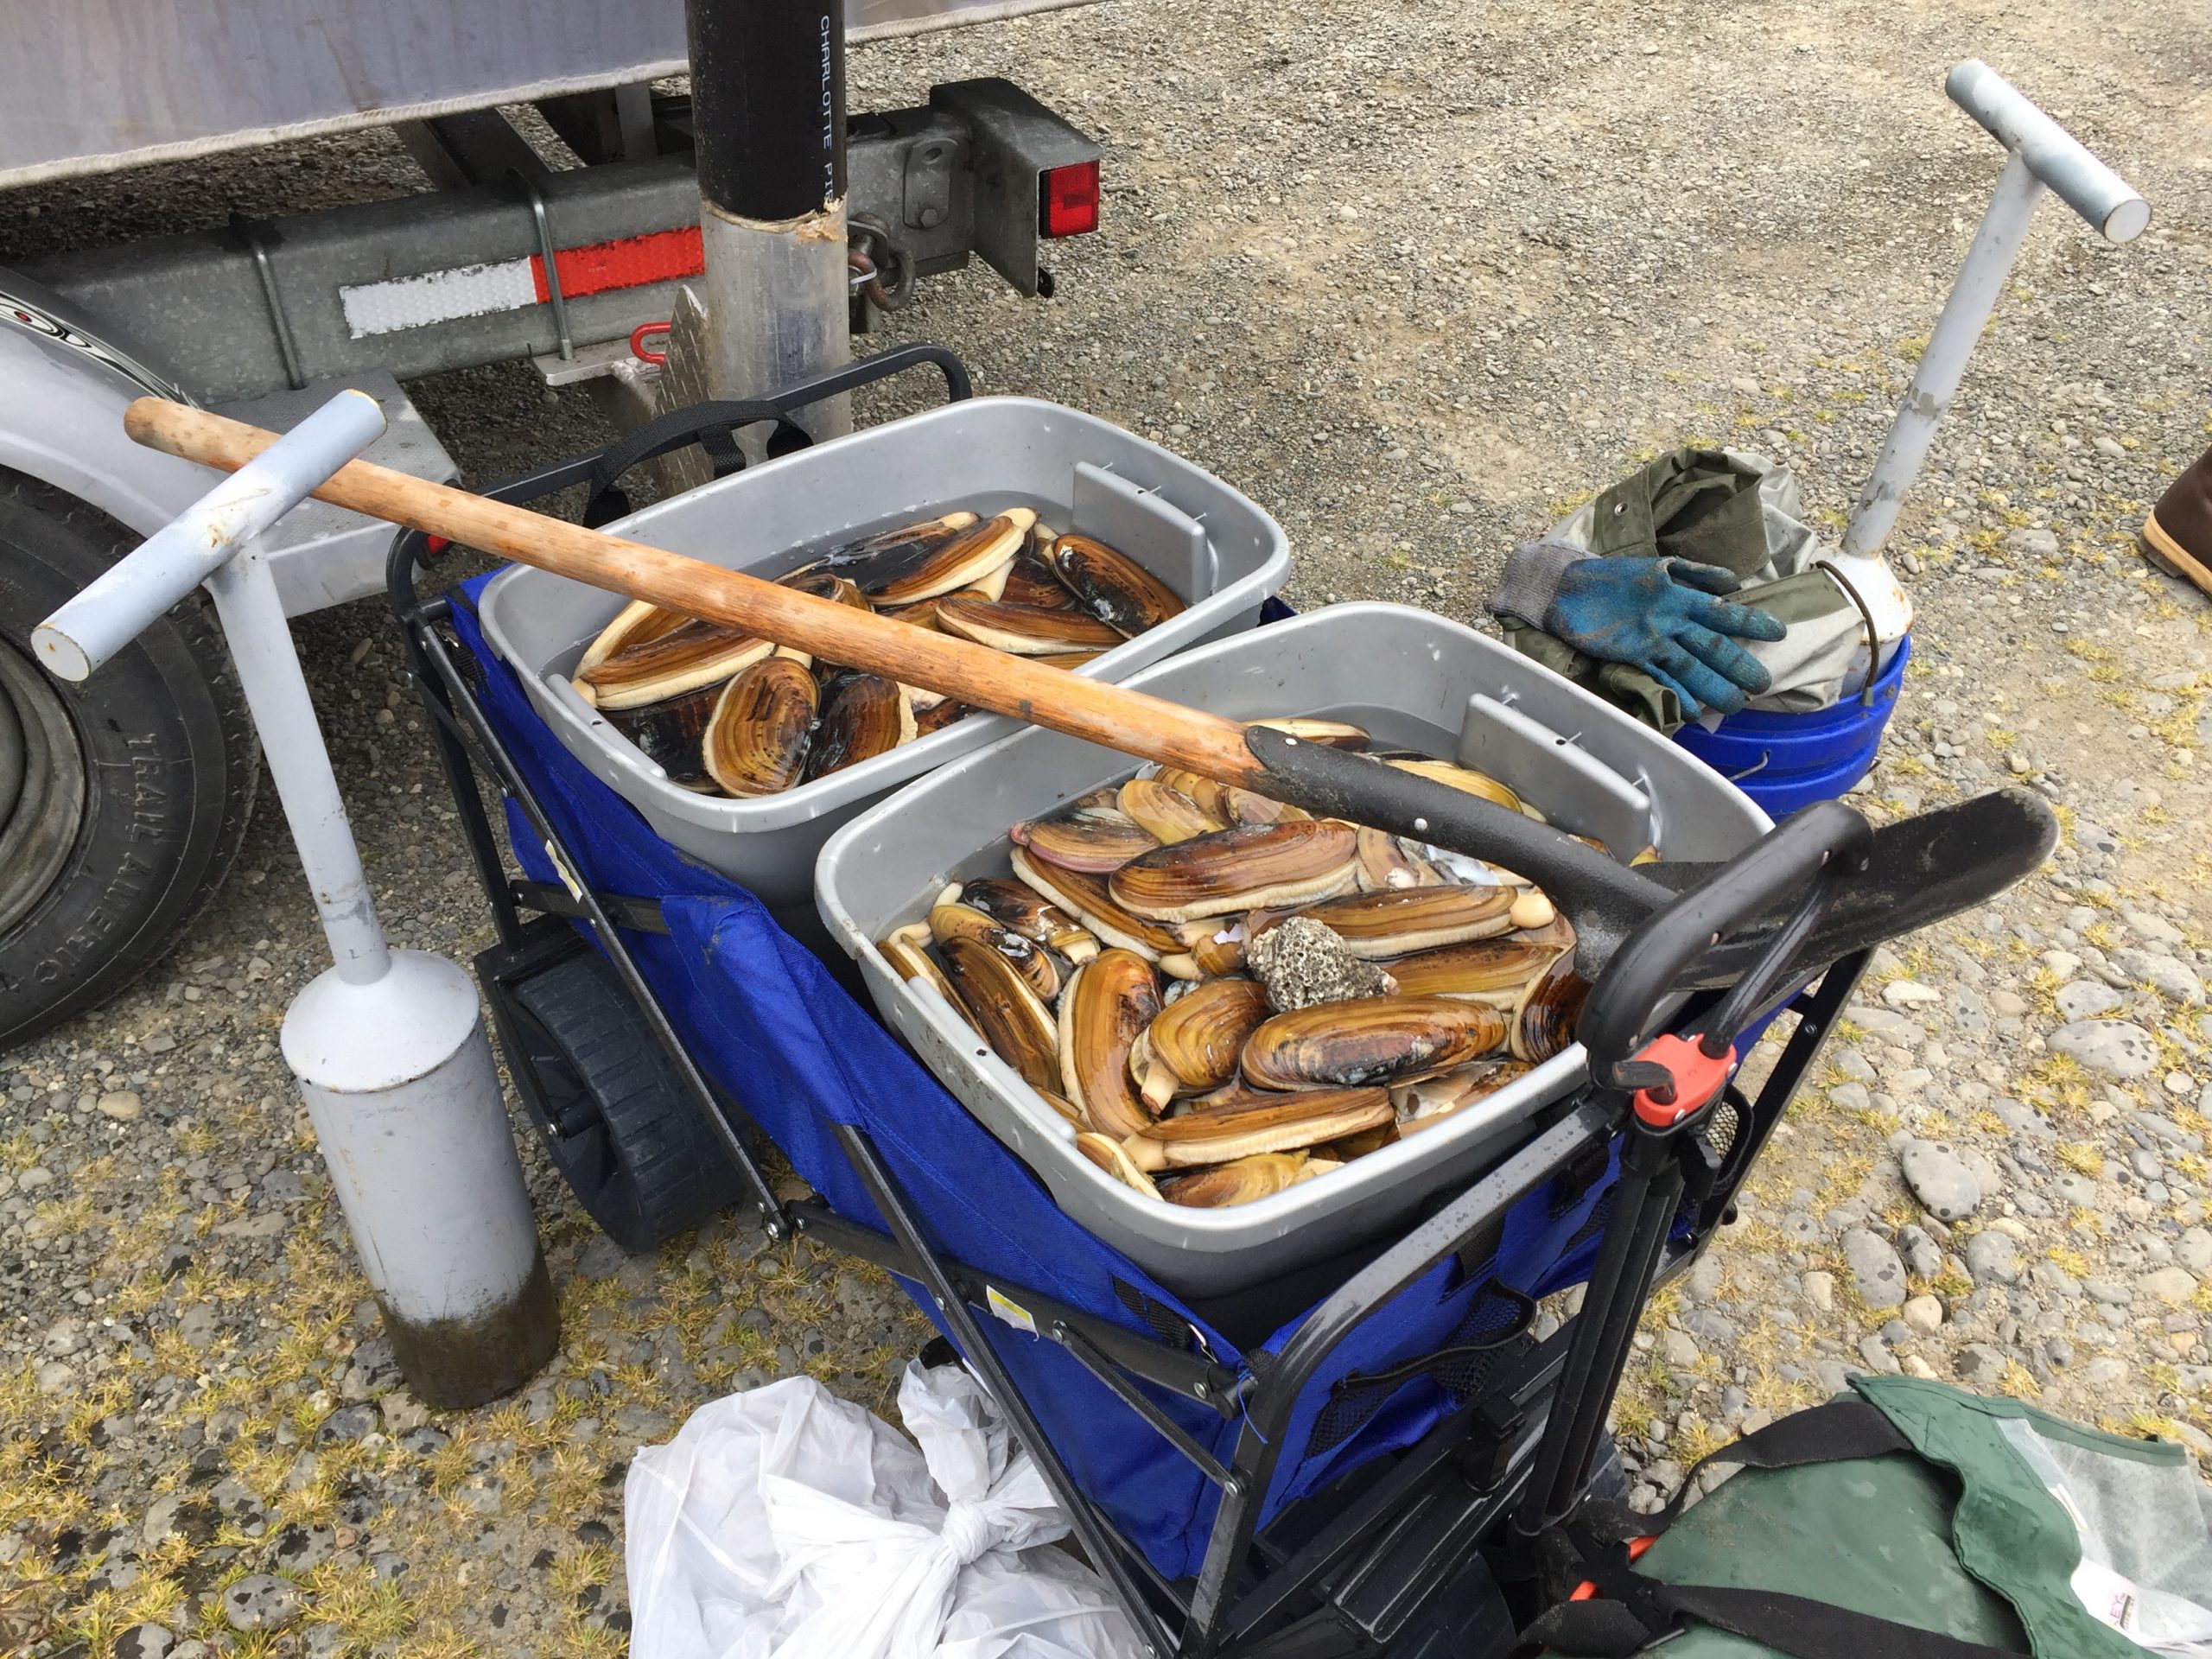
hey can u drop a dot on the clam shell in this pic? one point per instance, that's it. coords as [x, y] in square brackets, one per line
[824, 584]
[1033, 963]
[1550, 1008]
[910, 962]
[1478, 784]
[1243, 806]
[1259, 1176]
[1021, 909]
[1372, 1040]
[1256, 1122]
[1215, 944]
[1378, 926]
[969, 557]
[1238, 869]
[887, 554]
[682, 659]
[1424, 1105]
[1106, 1152]
[1093, 839]
[1112, 587]
[1024, 630]
[638, 623]
[1031, 580]
[863, 715]
[1107, 1005]
[1003, 1007]
[1165, 813]
[756, 742]
[1493, 971]
[672, 732]
[939, 715]
[1210, 797]
[1086, 898]
[1194, 1043]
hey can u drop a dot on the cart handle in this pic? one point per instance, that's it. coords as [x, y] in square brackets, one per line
[1808, 852]
[2052, 154]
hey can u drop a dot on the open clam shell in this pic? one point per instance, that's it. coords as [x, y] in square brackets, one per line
[682, 659]
[1001, 1005]
[1024, 630]
[1107, 1005]
[1113, 587]
[1242, 868]
[1378, 1039]
[1195, 1043]
[972, 556]
[1021, 909]
[863, 715]
[1385, 866]
[638, 623]
[756, 740]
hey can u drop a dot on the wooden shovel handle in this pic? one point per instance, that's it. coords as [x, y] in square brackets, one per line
[1129, 721]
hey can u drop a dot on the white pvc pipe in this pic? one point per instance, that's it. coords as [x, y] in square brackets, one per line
[2053, 155]
[124, 599]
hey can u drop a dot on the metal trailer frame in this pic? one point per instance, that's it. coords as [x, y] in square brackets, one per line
[1410, 1555]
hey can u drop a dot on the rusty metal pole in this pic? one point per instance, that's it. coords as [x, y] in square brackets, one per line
[768, 121]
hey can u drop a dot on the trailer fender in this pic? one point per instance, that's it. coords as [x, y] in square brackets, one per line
[68, 382]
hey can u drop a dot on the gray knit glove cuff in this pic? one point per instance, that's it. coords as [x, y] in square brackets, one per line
[1532, 579]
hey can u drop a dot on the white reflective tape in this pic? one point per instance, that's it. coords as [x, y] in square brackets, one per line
[437, 297]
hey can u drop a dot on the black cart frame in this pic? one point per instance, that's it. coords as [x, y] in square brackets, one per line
[1410, 1554]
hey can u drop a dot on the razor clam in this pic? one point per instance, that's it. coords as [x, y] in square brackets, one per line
[756, 743]
[1107, 1005]
[1243, 806]
[682, 659]
[1495, 971]
[1086, 898]
[958, 921]
[1374, 1039]
[1024, 630]
[910, 962]
[1424, 1105]
[863, 715]
[1167, 814]
[1060, 1104]
[672, 733]
[1544, 1019]
[1532, 911]
[638, 623]
[1215, 945]
[888, 554]
[1209, 797]
[1003, 1007]
[1019, 909]
[1480, 785]
[823, 584]
[1030, 580]
[1111, 586]
[1260, 1176]
[1106, 1152]
[1378, 926]
[1086, 836]
[1194, 1043]
[939, 715]
[1255, 1122]
[1242, 868]
[1385, 865]
[1336, 734]
[1559, 934]
[969, 557]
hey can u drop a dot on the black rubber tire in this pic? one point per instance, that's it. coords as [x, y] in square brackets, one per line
[645, 1168]
[162, 774]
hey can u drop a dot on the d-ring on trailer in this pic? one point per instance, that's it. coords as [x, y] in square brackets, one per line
[123, 800]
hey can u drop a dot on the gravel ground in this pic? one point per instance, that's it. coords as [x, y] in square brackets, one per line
[1416, 289]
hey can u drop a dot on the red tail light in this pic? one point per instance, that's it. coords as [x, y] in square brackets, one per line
[1068, 199]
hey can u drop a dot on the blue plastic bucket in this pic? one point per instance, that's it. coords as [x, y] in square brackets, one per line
[1786, 761]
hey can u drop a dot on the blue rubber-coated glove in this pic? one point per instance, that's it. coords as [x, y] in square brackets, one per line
[1662, 616]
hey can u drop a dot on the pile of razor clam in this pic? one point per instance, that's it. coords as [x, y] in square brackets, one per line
[1227, 996]
[723, 712]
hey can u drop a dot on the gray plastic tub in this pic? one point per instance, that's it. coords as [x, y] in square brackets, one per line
[1212, 546]
[1415, 680]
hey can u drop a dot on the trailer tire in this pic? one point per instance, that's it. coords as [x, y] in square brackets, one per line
[123, 799]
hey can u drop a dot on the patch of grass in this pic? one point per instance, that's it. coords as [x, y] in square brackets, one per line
[2072, 1261]
[2083, 1157]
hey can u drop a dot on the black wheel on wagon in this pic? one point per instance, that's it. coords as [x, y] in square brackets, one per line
[614, 1116]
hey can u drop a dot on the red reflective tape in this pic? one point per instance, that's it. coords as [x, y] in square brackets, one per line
[632, 262]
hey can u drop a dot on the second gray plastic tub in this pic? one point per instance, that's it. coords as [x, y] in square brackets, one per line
[1212, 546]
[1415, 680]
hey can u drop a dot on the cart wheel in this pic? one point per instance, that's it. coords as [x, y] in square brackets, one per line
[617, 1121]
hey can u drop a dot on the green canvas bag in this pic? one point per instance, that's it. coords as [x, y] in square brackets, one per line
[1908, 1519]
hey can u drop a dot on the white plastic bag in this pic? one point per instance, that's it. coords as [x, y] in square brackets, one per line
[786, 1524]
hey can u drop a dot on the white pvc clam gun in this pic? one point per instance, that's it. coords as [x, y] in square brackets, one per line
[389, 1045]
